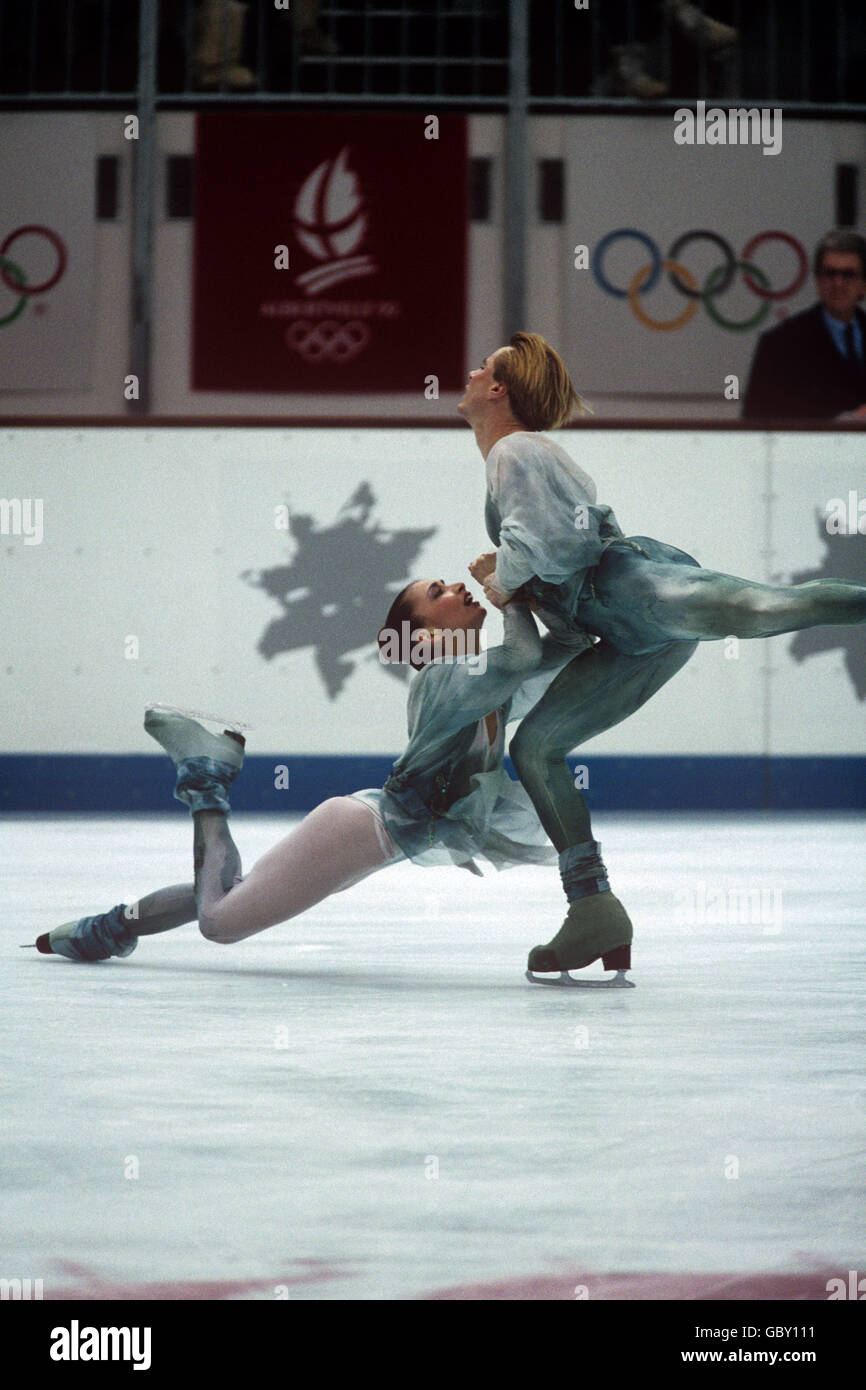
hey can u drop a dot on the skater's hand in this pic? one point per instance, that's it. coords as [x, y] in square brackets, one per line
[483, 567]
[522, 595]
[496, 596]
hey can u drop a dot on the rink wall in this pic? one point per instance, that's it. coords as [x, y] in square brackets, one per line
[245, 571]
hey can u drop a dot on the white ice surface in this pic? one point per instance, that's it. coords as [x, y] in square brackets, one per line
[575, 1130]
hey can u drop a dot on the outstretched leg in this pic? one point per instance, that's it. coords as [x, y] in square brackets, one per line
[709, 606]
[642, 603]
[334, 847]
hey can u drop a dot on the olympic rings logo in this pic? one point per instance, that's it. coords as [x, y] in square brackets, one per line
[716, 283]
[328, 341]
[13, 276]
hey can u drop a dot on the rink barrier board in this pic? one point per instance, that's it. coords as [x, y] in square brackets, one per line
[620, 424]
[772, 700]
[143, 784]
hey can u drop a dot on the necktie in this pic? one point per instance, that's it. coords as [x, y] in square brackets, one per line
[850, 349]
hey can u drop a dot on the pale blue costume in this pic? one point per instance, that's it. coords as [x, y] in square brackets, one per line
[648, 602]
[448, 799]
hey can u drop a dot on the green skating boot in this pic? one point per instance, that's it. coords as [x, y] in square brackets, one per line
[596, 925]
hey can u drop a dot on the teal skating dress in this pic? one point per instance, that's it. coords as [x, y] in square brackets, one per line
[448, 799]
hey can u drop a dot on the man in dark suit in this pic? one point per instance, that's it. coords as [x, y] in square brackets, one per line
[813, 366]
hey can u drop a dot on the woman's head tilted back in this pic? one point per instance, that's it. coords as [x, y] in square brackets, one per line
[430, 619]
[541, 394]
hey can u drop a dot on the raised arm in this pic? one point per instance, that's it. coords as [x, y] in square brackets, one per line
[449, 696]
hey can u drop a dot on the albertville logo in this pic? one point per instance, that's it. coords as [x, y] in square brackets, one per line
[329, 222]
[76, 1343]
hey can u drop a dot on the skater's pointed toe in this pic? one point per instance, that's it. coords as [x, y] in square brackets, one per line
[91, 938]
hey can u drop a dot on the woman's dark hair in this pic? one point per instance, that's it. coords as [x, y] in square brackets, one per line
[401, 611]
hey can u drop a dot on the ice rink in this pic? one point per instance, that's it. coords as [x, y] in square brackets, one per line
[371, 1102]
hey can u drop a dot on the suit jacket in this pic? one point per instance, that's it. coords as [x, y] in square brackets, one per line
[798, 373]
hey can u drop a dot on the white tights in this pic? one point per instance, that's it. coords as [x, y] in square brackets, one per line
[334, 847]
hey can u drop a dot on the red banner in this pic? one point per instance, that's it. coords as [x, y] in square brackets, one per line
[370, 292]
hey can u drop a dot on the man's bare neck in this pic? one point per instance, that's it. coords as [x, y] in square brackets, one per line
[486, 435]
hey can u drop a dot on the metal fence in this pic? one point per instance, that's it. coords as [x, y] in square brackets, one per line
[579, 54]
[516, 56]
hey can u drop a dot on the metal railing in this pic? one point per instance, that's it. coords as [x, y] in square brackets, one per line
[629, 55]
[87, 51]
[517, 56]
[805, 55]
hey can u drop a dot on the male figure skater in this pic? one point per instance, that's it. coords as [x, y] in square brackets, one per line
[647, 602]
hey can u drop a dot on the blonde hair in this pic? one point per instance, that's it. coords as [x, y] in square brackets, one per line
[540, 391]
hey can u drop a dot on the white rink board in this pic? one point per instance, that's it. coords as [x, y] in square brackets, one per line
[147, 534]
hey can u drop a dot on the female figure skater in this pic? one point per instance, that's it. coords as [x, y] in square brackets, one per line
[647, 602]
[447, 799]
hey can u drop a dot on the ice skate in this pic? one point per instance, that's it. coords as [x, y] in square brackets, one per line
[228, 725]
[91, 938]
[206, 763]
[596, 925]
[183, 737]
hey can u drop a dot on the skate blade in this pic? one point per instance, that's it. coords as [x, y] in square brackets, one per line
[618, 982]
[233, 724]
